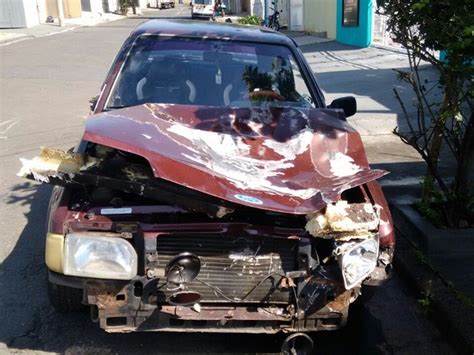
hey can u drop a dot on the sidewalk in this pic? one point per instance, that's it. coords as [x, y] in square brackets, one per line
[304, 39]
[439, 267]
[368, 75]
[12, 35]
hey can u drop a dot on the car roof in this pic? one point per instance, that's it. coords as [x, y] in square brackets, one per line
[211, 30]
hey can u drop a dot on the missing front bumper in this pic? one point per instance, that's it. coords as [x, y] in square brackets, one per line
[169, 320]
[131, 306]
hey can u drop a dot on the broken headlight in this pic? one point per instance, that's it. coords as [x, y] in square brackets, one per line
[99, 257]
[357, 261]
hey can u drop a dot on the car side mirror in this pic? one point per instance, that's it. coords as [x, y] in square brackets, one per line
[93, 103]
[347, 103]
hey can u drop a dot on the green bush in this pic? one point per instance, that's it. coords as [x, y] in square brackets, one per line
[250, 20]
[439, 113]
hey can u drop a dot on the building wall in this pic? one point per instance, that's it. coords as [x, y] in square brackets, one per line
[360, 36]
[42, 10]
[96, 6]
[31, 13]
[71, 8]
[18, 13]
[320, 16]
[246, 6]
[143, 3]
[256, 7]
[233, 6]
[285, 7]
[113, 6]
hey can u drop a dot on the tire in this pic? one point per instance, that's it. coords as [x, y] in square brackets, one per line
[172, 5]
[65, 299]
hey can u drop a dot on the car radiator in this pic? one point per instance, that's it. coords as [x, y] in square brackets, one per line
[233, 269]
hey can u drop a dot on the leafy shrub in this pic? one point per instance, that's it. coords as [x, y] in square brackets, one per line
[250, 20]
[444, 120]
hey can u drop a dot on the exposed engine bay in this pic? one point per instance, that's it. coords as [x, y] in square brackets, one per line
[203, 260]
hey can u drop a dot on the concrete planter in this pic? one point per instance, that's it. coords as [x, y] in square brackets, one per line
[448, 251]
[429, 238]
[438, 264]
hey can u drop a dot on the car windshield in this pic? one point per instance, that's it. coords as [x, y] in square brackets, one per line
[209, 73]
[203, 2]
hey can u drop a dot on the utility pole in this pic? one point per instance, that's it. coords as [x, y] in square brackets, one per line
[60, 12]
[265, 11]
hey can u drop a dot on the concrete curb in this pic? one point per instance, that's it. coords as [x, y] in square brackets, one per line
[422, 233]
[454, 318]
[27, 36]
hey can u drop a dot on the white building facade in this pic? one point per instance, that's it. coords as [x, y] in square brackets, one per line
[28, 13]
[291, 16]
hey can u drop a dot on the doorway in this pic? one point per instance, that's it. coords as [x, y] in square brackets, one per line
[86, 5]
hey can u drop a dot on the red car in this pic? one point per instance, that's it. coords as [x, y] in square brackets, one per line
[214, 191]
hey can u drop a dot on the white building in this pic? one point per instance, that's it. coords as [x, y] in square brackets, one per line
[28, 13]
[18, 13]
[291, 15]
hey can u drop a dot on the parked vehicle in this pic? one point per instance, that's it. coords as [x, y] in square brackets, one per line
[214, 191]
[273, 21]
[162, 4]
[203, 9]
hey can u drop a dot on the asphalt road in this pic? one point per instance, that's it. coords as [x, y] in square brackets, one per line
[45, 87]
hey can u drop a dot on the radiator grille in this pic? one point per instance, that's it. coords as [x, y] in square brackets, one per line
[233, 265]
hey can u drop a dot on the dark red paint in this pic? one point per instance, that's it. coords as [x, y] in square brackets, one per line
[146, 131]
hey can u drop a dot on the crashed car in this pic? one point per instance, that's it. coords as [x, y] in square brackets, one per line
[214, 191]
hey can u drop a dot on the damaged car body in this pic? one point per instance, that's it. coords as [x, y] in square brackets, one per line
[185, 208]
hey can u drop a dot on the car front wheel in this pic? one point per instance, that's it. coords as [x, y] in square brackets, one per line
[65, 299]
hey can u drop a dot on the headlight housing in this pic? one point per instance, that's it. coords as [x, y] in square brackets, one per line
[99, 257]
[357, 261]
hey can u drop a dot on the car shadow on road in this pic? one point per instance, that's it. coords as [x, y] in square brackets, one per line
[29, 323]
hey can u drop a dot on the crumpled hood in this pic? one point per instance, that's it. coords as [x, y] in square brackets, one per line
[280, 159]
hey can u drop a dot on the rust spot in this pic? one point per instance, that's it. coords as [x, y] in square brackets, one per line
[340, 303]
